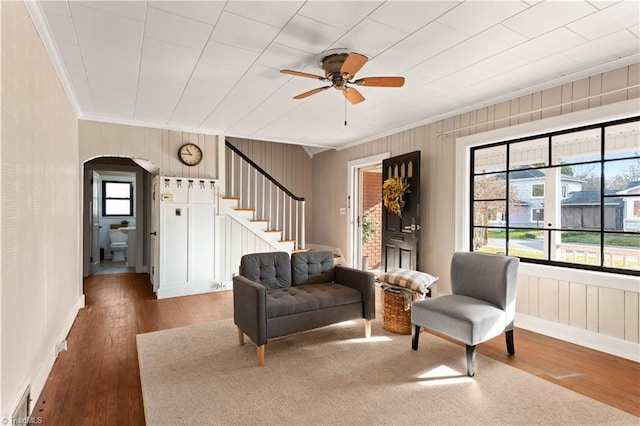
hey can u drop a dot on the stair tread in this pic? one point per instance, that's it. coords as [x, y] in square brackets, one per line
[230, 198]
[244, 210]
[286, 241]
[259, 220]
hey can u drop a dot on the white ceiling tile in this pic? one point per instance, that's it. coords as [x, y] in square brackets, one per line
[128, 9]
[112, 99]
[205, 89]
[192, 110]
[105, 26]
[475, 16]
[392, 61]
[164, 54]
[344, 14]
[167, 74]
[488, 43]
[176, 29]
[81, 89]
[256, 93]
[276, 13]
[408, 16]
[610, 20]
[57, 7]
[96, 50]
[216, 75]
[226, 56]
[547, 16]
[547, 68]
[243, 32]
[306, 34]
[431, 40]
[548, 44]
[370, 38]
[70, 54]
[111, 71]
[617, 45]
[635, 30]
[265, 76]
[155, 106]
[62, 27]
[283, 57]
[203, 11]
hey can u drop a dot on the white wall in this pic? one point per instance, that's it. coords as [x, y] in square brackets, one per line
[436, 141]
[41, 288]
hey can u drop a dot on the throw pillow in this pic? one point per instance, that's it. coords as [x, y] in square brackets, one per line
[406, 278]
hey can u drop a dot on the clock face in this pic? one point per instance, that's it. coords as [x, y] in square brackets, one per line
[190, 154]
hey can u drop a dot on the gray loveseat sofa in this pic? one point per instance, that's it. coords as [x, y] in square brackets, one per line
[275, 295]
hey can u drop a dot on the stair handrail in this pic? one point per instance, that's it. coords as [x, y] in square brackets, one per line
[262, 171]
[293, 228]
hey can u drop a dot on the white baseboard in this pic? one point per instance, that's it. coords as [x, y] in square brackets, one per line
[37, 384]
[589, 339]
[191, 289]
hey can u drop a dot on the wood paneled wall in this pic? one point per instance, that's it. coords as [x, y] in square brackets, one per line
[157, 146]
[288, 164]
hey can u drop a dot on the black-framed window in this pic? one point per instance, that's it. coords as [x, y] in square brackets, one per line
[566, 198]
[117, 198]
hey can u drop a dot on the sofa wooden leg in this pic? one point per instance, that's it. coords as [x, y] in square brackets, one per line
[240, 337]
[260, 351]
[367, 328]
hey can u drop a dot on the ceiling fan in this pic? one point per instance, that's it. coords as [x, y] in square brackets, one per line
[340, 67]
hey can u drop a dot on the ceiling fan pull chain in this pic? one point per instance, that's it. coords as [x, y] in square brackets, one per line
[345, 111]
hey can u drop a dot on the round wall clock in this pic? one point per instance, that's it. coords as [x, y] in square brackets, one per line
[190, 154]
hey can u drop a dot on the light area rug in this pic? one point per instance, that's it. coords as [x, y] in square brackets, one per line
[198, 375]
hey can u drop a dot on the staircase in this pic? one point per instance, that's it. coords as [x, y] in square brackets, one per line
[261, 204]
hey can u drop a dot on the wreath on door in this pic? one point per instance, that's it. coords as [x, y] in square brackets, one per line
[393, 190]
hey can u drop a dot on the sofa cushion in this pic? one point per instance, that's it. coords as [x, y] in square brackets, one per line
[304, 298]
[272, 270]
[312, 267]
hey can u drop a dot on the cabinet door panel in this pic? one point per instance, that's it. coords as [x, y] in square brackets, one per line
[202, 226]
[174, 243]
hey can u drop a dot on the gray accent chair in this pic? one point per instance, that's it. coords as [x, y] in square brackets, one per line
[275, 296]
[482, 304]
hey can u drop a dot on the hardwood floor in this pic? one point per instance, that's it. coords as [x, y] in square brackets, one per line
[97, 381]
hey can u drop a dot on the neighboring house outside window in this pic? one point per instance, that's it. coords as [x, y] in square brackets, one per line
[570, 197]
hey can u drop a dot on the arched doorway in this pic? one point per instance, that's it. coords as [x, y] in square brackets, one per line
[107, 210]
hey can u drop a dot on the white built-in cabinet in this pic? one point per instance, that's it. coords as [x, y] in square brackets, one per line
[183, 233]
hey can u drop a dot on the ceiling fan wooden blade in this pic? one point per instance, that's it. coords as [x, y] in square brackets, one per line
[304, 74]
[353, 95]
[311, 92]
[380, 81]
[353, 63]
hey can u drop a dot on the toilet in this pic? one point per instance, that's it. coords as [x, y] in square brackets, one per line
[118, 244]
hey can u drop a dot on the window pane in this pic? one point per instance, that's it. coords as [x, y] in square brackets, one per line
[579, 247]
[622, 251]
[489, 240]
[537, 190]
[490, 187]
[492, 159]
[576, 147]
[117, 207]
[489, 213]
[622, 140]
[533, 153]
[621, 175]
[581, 210]
[526, 243]
[117, 190]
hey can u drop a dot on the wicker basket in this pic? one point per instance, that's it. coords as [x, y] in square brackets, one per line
[395, 319]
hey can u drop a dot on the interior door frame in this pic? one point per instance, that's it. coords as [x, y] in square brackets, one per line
[354, 250]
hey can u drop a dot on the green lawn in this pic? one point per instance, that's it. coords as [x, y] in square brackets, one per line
[574, 237]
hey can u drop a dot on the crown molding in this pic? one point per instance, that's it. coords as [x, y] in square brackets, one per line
[42, 27]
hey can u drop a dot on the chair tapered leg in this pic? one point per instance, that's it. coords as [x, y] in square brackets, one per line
[260, 353]
[367, 328]
[471, 360]
[415, 337]
[509, 337]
